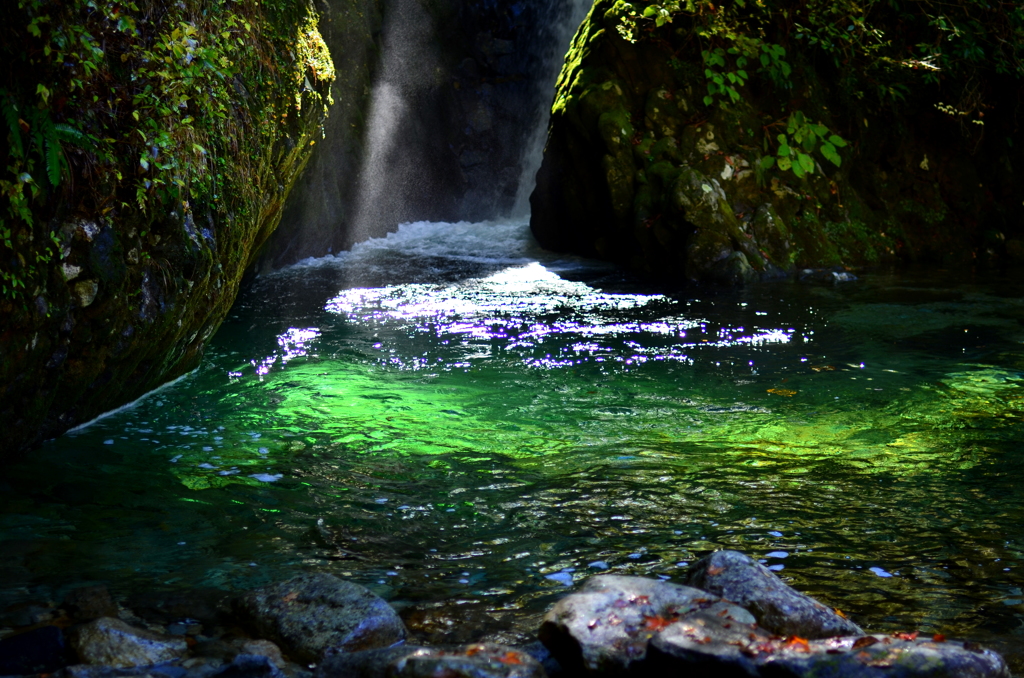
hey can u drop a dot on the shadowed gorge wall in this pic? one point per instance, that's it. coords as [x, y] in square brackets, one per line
[639, 169]
[148, 162]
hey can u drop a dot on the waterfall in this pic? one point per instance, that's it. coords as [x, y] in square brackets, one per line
[553, 59]
[454, 127]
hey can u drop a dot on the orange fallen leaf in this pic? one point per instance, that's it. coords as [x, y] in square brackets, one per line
[939, 638]
[715, 570]
[839, 612]
[906, 636]
[657, 623]
[798, 643]
[510, 658]
[782, 392]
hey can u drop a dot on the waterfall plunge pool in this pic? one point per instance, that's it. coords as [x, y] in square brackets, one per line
[463, 422]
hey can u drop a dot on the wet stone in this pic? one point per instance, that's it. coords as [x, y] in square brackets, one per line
[483, 660]
[310, 613]
[777, 607]
[864, 656]
[606, 625]
[480, 660]
[112, 642]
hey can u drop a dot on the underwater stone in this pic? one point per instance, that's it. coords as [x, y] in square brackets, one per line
[777, 607]
[89, 602]
[112, 642]
[312, 612]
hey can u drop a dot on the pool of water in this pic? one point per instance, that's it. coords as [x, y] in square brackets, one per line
[451, 416]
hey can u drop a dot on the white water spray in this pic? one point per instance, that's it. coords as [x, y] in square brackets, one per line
[533, 150]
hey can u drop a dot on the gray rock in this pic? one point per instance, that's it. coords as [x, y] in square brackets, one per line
[606, 625]
[777, 607]
[479, 660]
[312, 612]
[874, 656]
[483, 660]
[703, 643]
[365, 664]
[112, 642]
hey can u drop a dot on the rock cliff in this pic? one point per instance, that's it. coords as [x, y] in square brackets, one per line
[150, 150]
[639, 169]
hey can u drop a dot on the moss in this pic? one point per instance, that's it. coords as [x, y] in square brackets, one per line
[152, 238]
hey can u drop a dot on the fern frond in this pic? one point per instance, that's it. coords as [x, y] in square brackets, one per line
[54, 153]
[76, 137]
[10, 113]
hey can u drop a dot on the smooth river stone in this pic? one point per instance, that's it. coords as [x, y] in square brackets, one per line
[313, 612]
[676, 652]
[606, 625]
[477, 660]
[777, 607]
[111, 642]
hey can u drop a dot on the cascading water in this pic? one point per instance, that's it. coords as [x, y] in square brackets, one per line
[455, 124]
[533, 150]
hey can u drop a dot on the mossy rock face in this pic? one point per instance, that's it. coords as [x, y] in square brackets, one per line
[910, 186]
[131, 295]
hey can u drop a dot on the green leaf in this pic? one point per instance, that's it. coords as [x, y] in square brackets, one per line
[829, 151]
[785, 164]
[784, 152]
[10, 111]
[798, 170]
[806, 162]
[651, 10]
[767, 162]
[837, 141]
[708, 100]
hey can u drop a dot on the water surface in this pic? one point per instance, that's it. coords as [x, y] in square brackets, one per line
[451, 416]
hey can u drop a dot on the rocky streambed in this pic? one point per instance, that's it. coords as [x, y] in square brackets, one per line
[734, 617]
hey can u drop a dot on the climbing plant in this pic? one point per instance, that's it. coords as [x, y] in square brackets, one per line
[142, 109]
[880, 50]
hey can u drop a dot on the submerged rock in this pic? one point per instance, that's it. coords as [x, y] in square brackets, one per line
[89, 602]
[777, 607]
[312, 612]
[112, 642]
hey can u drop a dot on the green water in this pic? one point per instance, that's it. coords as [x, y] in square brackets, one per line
[481, 430]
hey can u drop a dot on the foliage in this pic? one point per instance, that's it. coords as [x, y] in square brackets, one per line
[801, 139]
[880, 49]
[141, 109]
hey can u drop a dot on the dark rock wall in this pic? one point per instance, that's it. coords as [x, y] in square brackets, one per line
[638, 170]
[133, 297]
